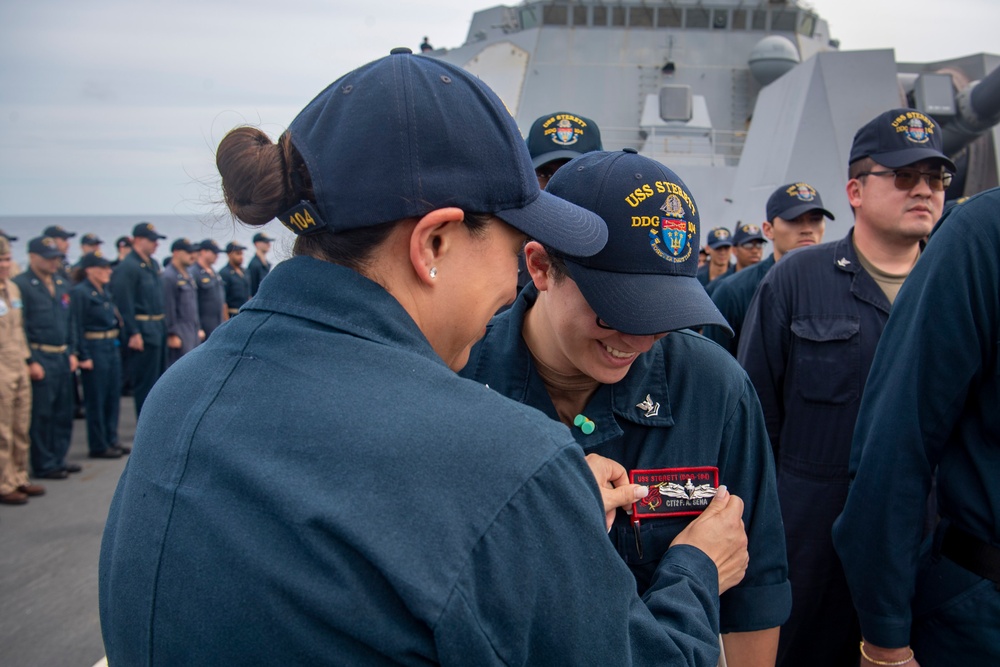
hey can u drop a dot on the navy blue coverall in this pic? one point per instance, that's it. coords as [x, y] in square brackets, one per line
[51, 340]
[807, 344]
[96, 322]
[932, 402]
[135, 284]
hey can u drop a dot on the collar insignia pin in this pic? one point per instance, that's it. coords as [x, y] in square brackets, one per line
[652, 409]
[843, 261]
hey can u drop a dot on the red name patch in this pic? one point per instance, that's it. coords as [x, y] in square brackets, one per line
[674, 491]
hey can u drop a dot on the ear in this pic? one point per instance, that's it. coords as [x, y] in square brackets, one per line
[854, 189]
[767, 227]
[432, 238]
[539, 265]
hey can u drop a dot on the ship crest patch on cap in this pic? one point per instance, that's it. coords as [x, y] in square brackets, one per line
[675, 244]
[48, 242]
[915, 126]
[750, 229]
[564, 129]
[802, 191]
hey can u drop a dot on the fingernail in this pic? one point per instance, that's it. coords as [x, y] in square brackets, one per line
[641, 492]
[722, 489]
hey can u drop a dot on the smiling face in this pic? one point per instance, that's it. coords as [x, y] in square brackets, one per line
[562, 329]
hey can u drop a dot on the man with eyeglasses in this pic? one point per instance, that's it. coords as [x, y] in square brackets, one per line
[795, 219]
[807, 344]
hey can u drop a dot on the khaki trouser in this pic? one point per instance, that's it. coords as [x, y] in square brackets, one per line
[15, 418]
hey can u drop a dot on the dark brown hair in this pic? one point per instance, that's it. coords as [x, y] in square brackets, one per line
[262, 179]
[858, 166]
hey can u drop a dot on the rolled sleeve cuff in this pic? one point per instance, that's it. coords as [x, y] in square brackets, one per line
[887, 632]
[752, 608]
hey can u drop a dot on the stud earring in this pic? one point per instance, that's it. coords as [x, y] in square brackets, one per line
[434, 272]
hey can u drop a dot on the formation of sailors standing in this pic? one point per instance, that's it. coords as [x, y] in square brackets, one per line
[101, 325]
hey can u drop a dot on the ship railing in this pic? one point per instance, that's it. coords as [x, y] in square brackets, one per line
[689, 145]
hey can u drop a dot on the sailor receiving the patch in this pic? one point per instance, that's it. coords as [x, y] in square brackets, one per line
[588, 344]
[720, 247]
[807, 344]
[795, 219]
[320, 457]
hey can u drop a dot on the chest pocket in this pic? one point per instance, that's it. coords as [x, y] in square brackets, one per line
[827, 358]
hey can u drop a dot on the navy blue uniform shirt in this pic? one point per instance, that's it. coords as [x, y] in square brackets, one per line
[46, 315]
[732, 297]
[807, 344]
[237, 286]
[256, 272]
[314, 485]
[93, 310]
[932, 402]
[707, 416]
[135, 284]
[211, 297]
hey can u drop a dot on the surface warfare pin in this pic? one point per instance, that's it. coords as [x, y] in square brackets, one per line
[651, 408]
[674, 491]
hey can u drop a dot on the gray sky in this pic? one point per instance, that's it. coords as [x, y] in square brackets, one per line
[115, 106]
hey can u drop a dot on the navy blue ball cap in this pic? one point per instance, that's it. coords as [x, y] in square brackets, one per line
[45, 247]
[233, 246]
[562, 136]
[719, 237]
[746, 232]
[643, 281]
[209, 244]
[183, 244]
[123, 242]
[792, 200]
[91, 239]
[57, 232]
[261, 236]
[407, 134]
[900, 137]
[7, 236]
[94, 259]
[146, 230]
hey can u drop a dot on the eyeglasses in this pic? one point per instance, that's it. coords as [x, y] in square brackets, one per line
[907, 179]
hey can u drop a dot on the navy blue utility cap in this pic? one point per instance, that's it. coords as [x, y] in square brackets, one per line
[45, 247]
[261, 236]
[719, 237]
[57, 232]
[90, 239]
[233, 246]
[643, 281]
[93, 259]
[747, 232]
[792, 200]
[146, 230]
[183, 244]
[562, 136]
[900, 137]
[7, 236]
[209, 244]
[407, 134]
[123, 242]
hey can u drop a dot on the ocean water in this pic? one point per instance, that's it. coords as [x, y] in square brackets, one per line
[110, 227]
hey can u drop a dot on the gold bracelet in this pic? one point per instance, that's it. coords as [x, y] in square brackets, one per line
[884, 663]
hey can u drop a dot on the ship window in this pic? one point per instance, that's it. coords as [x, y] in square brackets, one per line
[697, 17]
[759, 19]
[600, 16]
[668, 17]
[782, 21]
[618, 16]
[579, 16]
[719, 18]
[555, 15]
[808, 25]
[641, 17]
[529, 18]
[739, 19]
